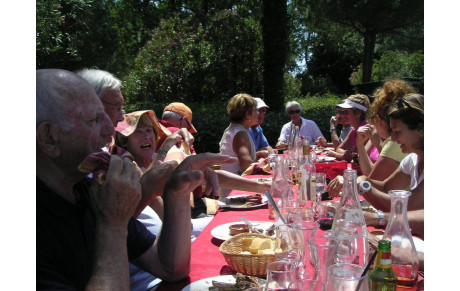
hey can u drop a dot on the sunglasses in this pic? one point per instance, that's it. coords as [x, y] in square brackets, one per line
[342, 112]
[261, 110]
[291, 112]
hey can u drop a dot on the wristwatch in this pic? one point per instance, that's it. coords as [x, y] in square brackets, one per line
[332, 129]
[162, 153]
[364, 186]
[382, 221]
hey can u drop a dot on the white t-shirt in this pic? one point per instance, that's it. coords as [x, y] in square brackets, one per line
[308, 129]
[409, 166]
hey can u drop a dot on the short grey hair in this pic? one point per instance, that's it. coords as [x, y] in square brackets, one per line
[171, 115]
[293, 103]
[100, 80]
[52, 98]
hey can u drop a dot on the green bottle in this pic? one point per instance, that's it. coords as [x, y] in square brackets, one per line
[382, 277]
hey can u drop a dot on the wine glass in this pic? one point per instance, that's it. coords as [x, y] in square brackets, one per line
[288, 244]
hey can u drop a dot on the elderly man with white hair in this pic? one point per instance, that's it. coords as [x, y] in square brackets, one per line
[86, 233]
[307, 128]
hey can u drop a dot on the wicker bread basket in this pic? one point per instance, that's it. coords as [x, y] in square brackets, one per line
[248, 264]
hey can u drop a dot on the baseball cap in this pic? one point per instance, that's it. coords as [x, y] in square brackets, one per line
[183, 110]
[129, 124]
[260, 103]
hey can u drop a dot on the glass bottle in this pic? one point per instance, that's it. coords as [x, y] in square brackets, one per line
[349, 225]
[382, 277]
[280, 189]
[403, 255]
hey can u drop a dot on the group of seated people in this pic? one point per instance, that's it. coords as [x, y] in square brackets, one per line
[133, 228]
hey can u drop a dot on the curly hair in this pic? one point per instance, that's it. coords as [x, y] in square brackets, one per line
[385, 97]
[239, 105]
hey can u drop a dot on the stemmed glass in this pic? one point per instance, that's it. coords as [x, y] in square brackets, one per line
[288, 244]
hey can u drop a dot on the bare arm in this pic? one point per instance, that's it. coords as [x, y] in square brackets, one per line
[169, 257]
[113, 205]
[232, 181]
[415, 218]
[241, 146]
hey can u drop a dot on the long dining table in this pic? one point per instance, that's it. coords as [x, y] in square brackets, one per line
[207, 260]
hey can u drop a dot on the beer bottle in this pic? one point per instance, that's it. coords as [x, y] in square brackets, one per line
[382, 277]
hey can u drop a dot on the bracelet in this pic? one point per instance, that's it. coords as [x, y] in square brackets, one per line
[382, 221]
[162, 153]
[332, 129]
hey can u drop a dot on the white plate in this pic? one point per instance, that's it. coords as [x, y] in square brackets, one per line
[222, 201]
[325, 159]
[223, 232]
[328, 149]
[204, 284]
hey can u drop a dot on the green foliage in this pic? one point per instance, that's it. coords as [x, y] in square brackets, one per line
[185, 60]
[396, 64]
[393, 64]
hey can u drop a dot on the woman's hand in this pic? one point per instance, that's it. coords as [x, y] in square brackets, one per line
[321, 141]
[335, 186]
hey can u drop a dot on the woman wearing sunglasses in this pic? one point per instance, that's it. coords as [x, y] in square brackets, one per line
[353, 110]
[307, 128]
[407, 123]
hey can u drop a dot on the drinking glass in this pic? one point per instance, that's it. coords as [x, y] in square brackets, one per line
[326, 214]
[280, 275]
[344, 277]
[323, 255]
[288, 244]
[306, 285]
[308, 229]
[321, 184]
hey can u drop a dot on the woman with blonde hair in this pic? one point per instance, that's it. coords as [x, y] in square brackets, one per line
[236, 141]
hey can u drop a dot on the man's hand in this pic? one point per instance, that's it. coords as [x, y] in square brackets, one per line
[372, 218]
[114, 202]
[153, 182]
[194, 169]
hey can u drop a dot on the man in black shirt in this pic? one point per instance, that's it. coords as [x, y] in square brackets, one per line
[85, 231]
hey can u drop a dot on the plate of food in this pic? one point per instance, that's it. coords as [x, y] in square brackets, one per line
[325, 159]
[243, 201]
[223, 231]
[226, 282]
[262, 179]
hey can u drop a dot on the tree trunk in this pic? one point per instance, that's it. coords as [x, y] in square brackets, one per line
[274, 31]
[368, 57]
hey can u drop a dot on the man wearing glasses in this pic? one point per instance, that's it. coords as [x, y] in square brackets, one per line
[256, 132]
[307, 128]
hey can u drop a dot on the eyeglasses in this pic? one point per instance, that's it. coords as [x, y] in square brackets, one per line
[291, 112]
[119, 108]
[262, 110]
[342, 112]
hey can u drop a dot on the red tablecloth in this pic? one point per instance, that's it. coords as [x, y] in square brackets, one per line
[206, 259]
